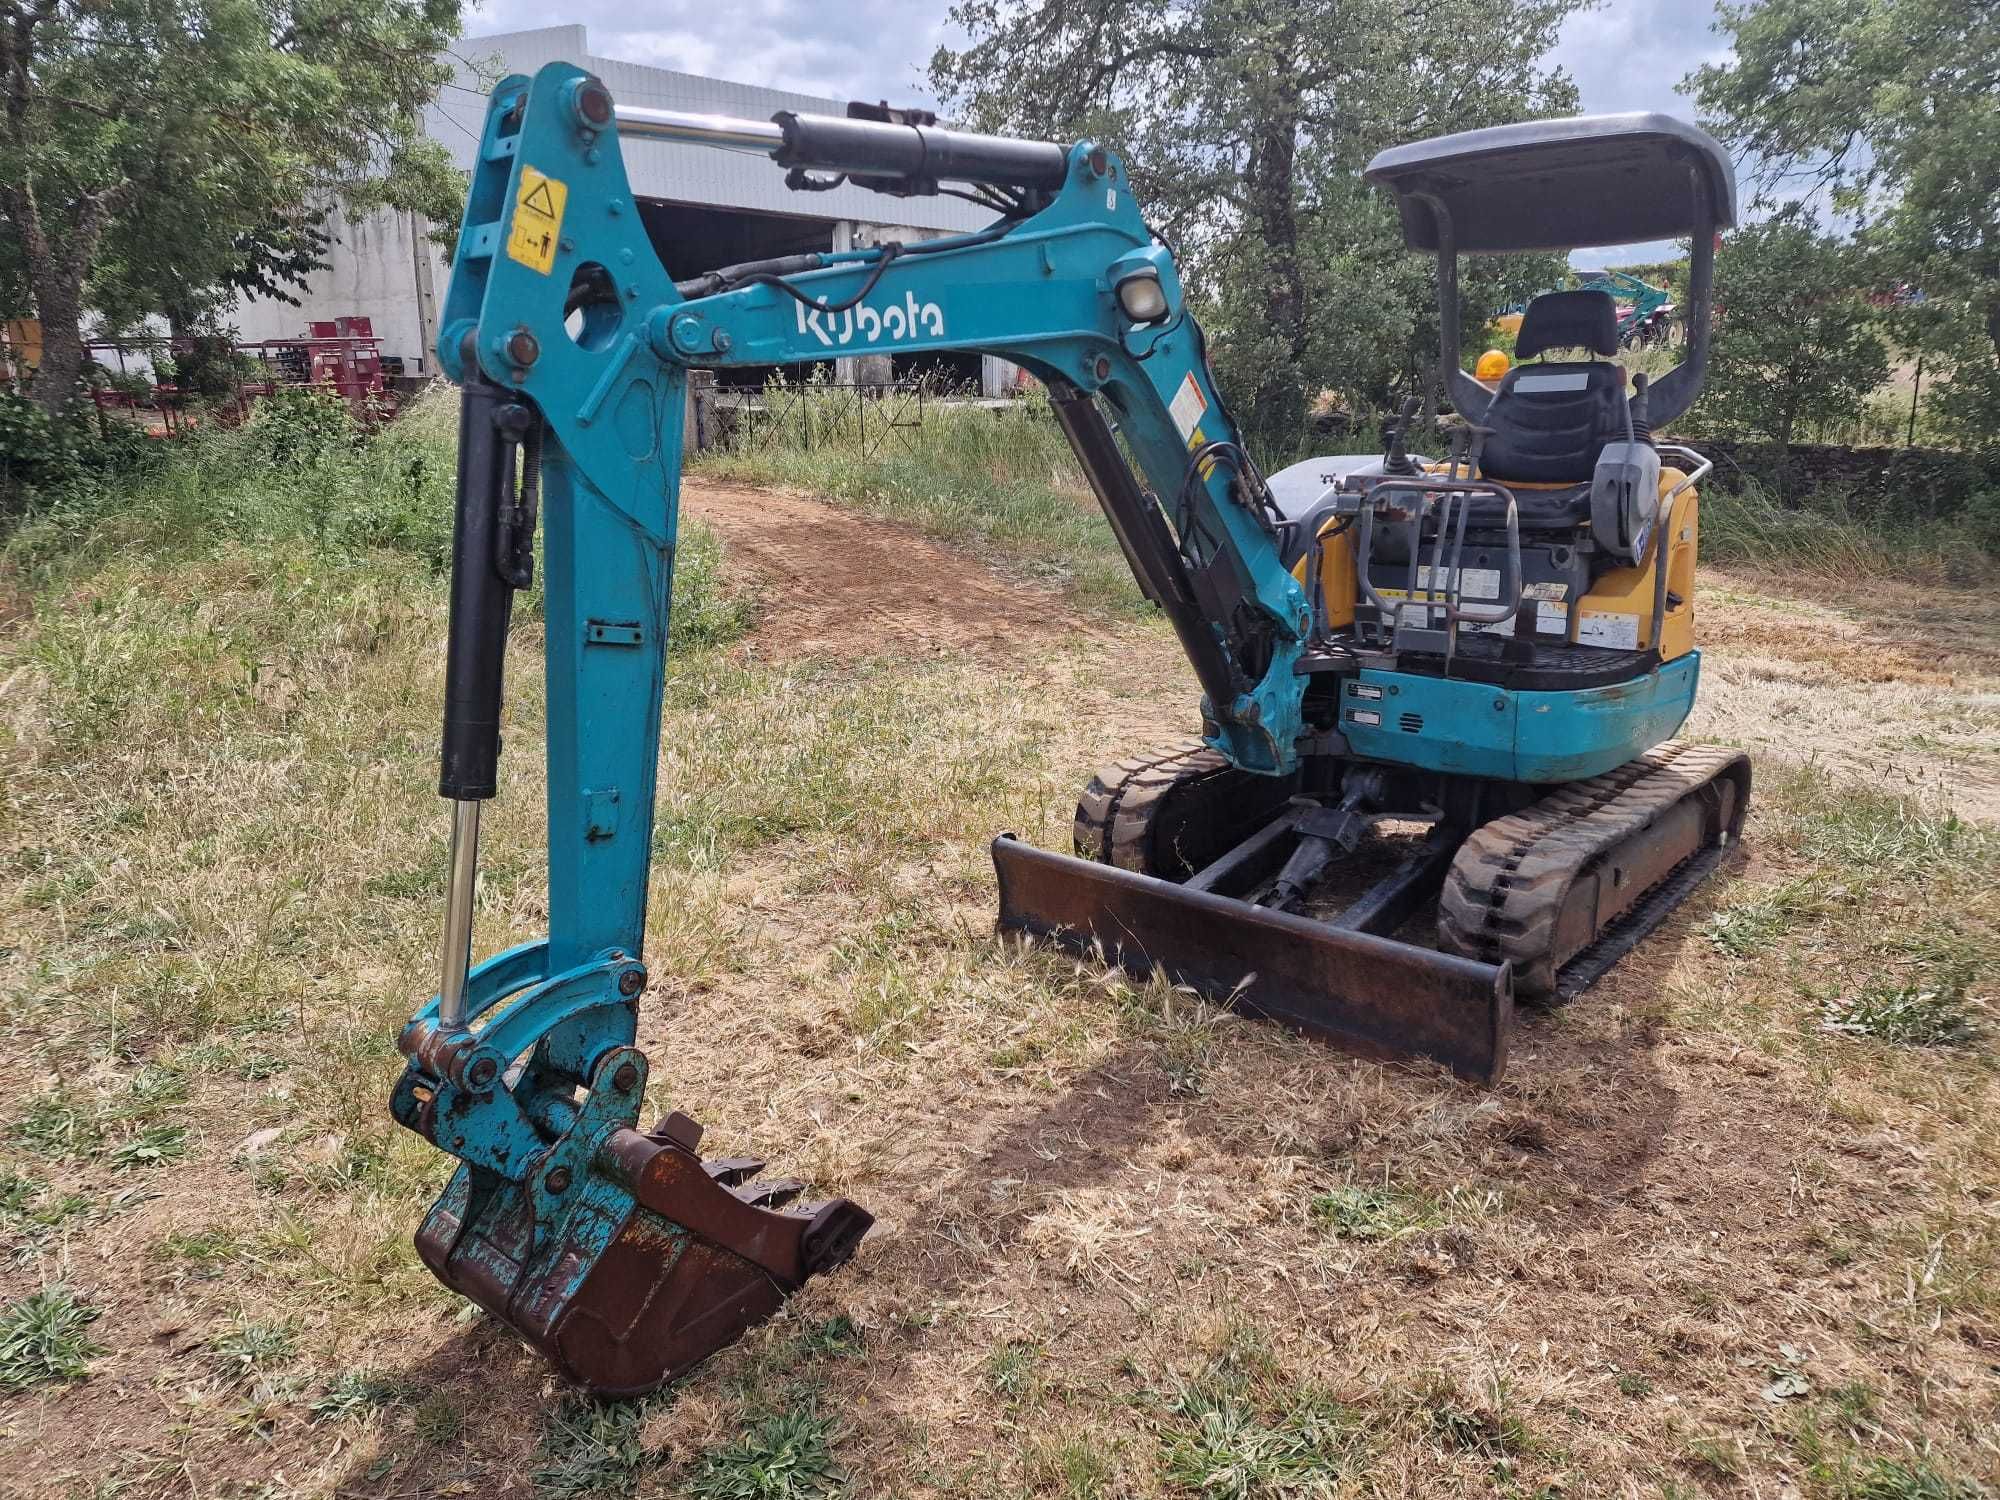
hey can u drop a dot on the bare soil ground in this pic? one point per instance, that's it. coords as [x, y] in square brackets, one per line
[1128, 1245]
[848, 585]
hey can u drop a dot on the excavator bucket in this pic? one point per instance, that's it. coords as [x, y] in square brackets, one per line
[633, 1267]
[1359, 992]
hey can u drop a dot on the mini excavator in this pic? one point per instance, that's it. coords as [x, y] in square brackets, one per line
[1443, 681]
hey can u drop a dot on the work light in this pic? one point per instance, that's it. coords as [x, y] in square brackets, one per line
[1141, 296]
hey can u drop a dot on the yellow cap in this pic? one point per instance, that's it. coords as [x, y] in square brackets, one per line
[1492, 365]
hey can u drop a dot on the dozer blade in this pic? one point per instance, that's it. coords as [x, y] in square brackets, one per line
[1362, 993]
[655, 1260]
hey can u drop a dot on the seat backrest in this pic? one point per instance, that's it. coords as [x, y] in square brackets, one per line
[1551, 421]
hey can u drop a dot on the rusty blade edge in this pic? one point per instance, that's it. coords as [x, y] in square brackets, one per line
[1361, 993]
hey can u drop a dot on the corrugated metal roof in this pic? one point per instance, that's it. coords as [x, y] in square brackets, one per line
[687, 174]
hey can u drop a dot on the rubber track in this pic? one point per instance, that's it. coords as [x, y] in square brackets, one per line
[1506, 888]
[1114, 815]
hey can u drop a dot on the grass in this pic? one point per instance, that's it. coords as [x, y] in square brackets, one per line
[45, 1339]
[1836, 535]
[1131, 1245]
[1003, 485]
[1908, 1016]
[593, 1448]
[787, 1455]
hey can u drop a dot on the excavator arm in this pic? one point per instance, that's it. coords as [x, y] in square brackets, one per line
[1042, 289]
[620, 1252]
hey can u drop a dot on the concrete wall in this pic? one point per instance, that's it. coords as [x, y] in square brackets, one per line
[384, 268]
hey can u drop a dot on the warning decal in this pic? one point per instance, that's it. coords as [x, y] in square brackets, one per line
[1189, 406]
[538, 211]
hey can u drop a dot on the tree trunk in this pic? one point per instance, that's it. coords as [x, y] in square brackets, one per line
[56, 277]
[59, 305]
[1270, 186]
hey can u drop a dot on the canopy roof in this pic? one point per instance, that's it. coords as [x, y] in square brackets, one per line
[1559, 184]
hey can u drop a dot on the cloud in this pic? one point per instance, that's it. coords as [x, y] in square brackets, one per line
[857, 49]
[1624, 55]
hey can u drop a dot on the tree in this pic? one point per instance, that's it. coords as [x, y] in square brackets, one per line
[1244, 124]
[1796, 342]
[1894, 106]
[159, 145]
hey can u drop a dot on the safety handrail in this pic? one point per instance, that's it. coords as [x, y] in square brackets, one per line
[1455, 609]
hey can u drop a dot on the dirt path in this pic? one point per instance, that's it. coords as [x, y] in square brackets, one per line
[1894, 686]
[842, 584]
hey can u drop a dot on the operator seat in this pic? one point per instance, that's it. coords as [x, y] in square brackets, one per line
[1550, 421]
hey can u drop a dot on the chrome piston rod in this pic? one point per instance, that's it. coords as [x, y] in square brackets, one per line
[455, 957]
[679, 127]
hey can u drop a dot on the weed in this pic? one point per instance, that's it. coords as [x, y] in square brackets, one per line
[987, 480]
[436, 1420]
[1717, 1456]
[1483, 1428]
[1908, 1016]
[837, 1337]
[1375, 1213]
[1826, 533]
[1634, 1386]
[1892, 1479]
[30, 1212]
[1226, 1448]
[1751, 925]
[355, 1393]
[150, 1147]
[1011, 1369]
[1074, 1467]
[43, 1339]
[251, 1348]
[594, 1448]
[785, 1456]
[56, 1124]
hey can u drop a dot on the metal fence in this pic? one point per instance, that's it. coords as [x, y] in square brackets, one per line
[867, 418]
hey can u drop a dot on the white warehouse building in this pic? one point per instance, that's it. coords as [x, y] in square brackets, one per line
[702, 208]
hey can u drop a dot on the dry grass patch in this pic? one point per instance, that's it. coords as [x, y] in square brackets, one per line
[1729, 1226]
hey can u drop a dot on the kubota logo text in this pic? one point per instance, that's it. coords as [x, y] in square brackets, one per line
[899, 320]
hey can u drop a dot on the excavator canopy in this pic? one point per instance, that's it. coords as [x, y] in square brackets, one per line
[1560, 184]
[1570, 184]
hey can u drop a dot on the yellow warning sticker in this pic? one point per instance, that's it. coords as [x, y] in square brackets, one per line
[538, 211]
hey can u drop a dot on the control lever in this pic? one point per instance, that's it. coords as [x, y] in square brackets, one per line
[1397, 460]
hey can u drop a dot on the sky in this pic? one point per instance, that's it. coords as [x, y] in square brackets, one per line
[1625, 55]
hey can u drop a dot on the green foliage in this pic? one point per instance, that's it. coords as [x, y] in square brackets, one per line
[1893, 1479]
[993, 481]
[1244, 125]
[594, 1448]
[154, 1146]
[785, 1456]
[355, 1393]
[1892, 104]
[1795, 344]
[157, 154]
[38, 451]
[1223, 1444]
[1908, 1015]
[1830, 531]
[45, 1339]
[1373, 1213]
[251, 1348]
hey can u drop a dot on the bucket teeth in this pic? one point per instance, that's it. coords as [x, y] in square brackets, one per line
[773, 1194]
[656, 1259]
